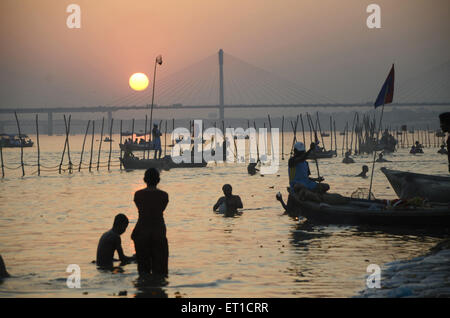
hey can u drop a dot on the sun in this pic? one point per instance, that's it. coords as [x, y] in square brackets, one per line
[138, 81]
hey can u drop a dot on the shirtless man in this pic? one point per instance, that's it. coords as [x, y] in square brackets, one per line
[229, 203]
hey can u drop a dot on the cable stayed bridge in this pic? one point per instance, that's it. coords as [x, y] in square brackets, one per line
[223, 81]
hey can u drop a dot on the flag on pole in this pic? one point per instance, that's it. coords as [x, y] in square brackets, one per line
[386, 94]
[159, 59]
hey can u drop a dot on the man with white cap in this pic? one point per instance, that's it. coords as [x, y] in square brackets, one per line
[299, 171]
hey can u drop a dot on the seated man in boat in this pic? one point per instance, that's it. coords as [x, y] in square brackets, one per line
[128, 155]
[299, 170]
[156, 140]
[110, 242]
[363, 173]
[229, 203]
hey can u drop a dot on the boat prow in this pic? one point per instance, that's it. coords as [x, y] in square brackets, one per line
[431, 187]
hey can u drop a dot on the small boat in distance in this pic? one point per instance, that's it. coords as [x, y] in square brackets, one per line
[15, 141]
[107, 139]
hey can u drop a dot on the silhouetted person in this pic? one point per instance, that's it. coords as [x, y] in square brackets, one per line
[299, 170]
[156, 141]
[381, 159]
[149, 234]
[229, 203]
[363, 173]
[3, 272]
[347, 158]
[251, 168]
[110, 242]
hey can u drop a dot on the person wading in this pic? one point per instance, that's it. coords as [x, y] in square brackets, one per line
[149, 234]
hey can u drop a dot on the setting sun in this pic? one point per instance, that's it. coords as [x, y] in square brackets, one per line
[138, 81]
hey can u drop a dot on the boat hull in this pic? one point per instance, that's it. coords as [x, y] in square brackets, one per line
[161, 164]
[358, 212]
[433, 188]
[322, 155]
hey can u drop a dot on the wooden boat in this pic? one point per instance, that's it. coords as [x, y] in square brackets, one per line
[166, 163]
[322, 154]
[136, 147]
[433, 188]
[15, 141]
[107, 139]
[373, 213]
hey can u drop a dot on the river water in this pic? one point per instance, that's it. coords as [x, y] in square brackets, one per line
[50, 221]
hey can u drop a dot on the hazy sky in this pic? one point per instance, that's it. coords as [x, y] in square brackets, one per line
[322, 45]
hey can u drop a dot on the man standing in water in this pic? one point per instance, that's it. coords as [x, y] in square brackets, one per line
[229, 203]
[156, 134]
[149, 234]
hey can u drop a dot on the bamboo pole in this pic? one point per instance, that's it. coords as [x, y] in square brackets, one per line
[282, 137]
[100, 144]
[165, 139]
[257, 142]
[120, 143]
[335, 139]
[38, 146]
[1, 158]
[82, 147]
[145, 134]
[331, 134]
[21, 145]
[92, 145]
[65, 145]
[320, 131]
[68, 145]
[303, 130]
[110, 143]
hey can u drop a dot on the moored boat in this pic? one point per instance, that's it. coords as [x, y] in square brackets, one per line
[373, 213]
[322, 154]
[15, 141]
[166, 163]
[430, 187]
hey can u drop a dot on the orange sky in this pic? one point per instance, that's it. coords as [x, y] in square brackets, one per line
[322, 45]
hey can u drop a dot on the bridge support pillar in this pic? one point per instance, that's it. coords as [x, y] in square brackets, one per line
[50, 124]
[221, 94]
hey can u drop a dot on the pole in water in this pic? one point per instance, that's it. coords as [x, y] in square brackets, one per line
[1, 158]
[110, 142]
[65, 145]
[375, 153]
[38, 147]
[21, 145]
[121, 144]
[92, 145]
[82, 147]
[100, 145]
[282, 138]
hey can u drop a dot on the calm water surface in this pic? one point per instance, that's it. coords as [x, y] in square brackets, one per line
[51, 221]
